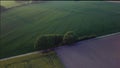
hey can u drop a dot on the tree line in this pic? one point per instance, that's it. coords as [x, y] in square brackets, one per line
[51, 41]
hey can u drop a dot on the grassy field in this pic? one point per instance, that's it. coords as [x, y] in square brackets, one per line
[49, 60]
[21, 26]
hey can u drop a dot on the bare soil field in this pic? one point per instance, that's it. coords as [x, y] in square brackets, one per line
[102, 52]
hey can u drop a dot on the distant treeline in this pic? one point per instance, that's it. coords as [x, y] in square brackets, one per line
[62, 0]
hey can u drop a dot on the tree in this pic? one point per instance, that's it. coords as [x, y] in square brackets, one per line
[48, 41]
[69, 38]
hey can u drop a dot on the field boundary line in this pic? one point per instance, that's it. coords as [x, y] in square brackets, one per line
[36, 52]
[103, 36]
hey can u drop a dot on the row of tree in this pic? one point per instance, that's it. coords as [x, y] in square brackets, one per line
[55, 40]
[51, 41]
[61, 0]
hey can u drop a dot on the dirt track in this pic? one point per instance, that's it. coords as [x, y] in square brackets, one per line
[94, 53]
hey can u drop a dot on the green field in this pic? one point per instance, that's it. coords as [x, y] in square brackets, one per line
[21, 26]
[36, 60]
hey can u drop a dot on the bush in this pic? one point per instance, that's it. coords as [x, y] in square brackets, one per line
[69, 38]
[48, 41]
